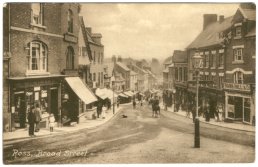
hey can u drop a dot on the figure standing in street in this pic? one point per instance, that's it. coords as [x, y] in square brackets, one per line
[193, 110]
[51, 122]
[134, 104]
[31, 120]
[37, 117]
[99, 109]
[207, 112]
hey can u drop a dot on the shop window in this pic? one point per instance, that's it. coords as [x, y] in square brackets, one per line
[231, 106]
[36, 17]
[238, 77]
[247, 110]
[70, 21]
[70, 58]
[37, 56]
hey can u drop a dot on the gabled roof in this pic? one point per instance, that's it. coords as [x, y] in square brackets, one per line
[168, 60]
[85, 36]
[123, 66]
[210, 35]
[249, 14]
[179, 56]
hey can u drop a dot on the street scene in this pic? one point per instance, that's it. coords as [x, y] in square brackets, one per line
[118, 83]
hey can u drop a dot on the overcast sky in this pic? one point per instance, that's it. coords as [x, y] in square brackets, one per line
[149, 30]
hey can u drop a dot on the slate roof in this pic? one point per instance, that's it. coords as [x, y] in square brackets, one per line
[123, 66]
[249, 14]
[179, 56]
[252, 32]
[210, 35]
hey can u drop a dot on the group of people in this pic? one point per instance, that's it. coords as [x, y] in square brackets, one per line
[34, 118]
[205, 111]
[154, 101]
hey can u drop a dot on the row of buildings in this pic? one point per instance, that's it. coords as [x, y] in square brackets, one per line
[227, 46]
[53, 59]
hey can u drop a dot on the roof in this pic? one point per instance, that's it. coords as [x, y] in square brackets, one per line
[168, 60]
[123, 66]
[252, 32]
[179, 56]
[85, 36]
[249, 14]
[210, 35]
[133, 73]
[118, 76]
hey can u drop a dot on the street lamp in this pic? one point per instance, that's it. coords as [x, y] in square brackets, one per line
[197, 64]
[113, 87]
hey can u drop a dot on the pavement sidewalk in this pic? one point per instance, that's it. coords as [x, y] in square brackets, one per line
[22, 134]
[233, 125]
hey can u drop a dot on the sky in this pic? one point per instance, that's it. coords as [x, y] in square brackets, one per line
[149, 30]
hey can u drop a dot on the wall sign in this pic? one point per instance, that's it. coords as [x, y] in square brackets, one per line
[235, 86]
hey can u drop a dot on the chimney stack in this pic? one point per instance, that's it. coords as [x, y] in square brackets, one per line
[208, 19]
[221, 18]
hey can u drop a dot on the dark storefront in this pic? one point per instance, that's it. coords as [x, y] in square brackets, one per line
[29, 91]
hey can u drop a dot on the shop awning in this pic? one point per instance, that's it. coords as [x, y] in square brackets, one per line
[128, 94]
[110, 93]
[81, 90]
[122, 95]
[142, 94]
[101, 93]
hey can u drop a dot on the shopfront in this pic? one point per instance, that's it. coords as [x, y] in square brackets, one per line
[239, 103]
[29, 91]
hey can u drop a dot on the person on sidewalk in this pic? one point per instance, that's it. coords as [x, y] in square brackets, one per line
[219, 111]
[207, 112]
[193, 110]
[37, 117]
[31, 120]
[52, 122]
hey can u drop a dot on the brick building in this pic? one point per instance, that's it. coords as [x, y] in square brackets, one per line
[239, 83]
[43, 42]
[227, 46]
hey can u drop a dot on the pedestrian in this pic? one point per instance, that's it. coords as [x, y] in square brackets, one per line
[31, 120]
[207, 112]
[141, 102]
[117, 102]
[37, 117]
[220, 111]
[51, 122]
[193, 110]
[188, 110]
[134, 104]
[99, 108]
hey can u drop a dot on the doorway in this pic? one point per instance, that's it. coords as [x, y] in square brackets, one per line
[20, 110]
[54, 103]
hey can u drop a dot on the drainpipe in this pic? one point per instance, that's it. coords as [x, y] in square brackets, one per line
[9, 66]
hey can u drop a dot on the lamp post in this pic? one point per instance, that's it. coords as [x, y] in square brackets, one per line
[113, 86]
[197, 63]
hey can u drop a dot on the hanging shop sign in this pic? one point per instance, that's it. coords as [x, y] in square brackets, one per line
[43, 93]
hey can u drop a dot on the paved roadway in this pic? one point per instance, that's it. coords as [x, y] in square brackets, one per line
[139, 138]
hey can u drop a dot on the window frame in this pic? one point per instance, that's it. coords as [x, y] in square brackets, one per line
[70, 21]
[70, 57]
[41, 57]
[40, 14]
[237, 75]
[236, 54]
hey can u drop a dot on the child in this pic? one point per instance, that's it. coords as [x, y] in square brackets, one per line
[51, 122]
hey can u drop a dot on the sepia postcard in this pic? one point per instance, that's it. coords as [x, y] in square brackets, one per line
[128, 83]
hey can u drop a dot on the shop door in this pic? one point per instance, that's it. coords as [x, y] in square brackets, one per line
[238, 108]
[54, 103]
[20, 110]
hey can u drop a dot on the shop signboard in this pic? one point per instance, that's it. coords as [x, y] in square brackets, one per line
[235, 86]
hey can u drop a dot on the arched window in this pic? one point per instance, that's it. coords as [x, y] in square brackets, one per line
[70, 21]
[37, 56]
[70, 58]
[238, 77]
